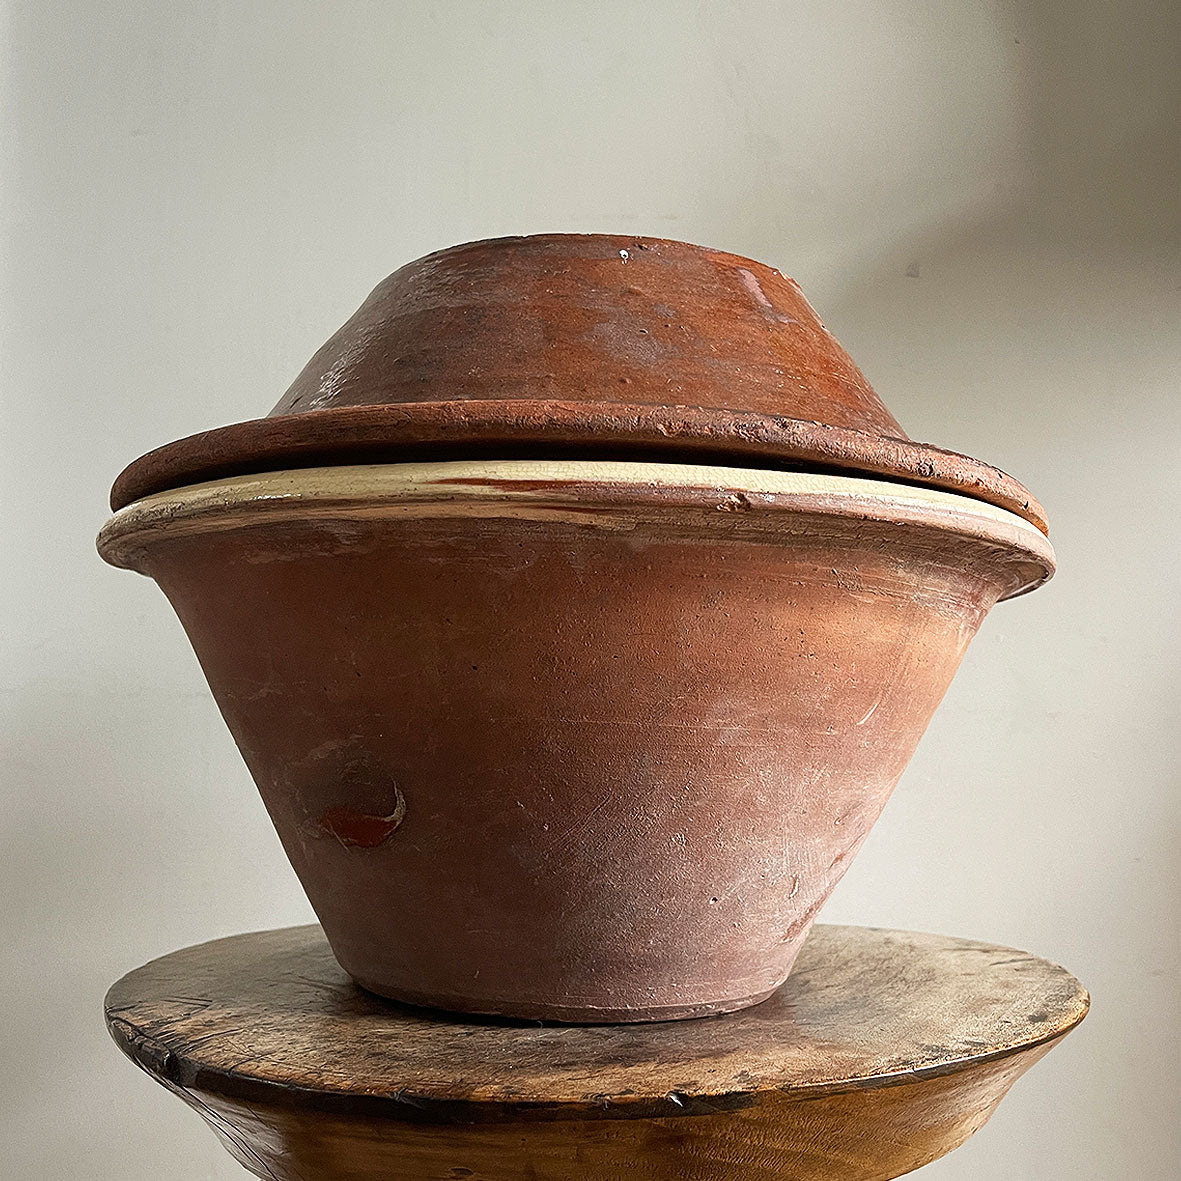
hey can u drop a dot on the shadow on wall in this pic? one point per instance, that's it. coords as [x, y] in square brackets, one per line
[1042, 333]
[1034, 323]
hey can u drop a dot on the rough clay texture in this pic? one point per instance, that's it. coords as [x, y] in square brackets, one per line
[589, 318]
[553, 769]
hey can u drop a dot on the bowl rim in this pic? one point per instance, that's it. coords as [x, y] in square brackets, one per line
[613, 494]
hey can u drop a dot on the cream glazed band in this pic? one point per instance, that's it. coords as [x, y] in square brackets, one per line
[739, 501]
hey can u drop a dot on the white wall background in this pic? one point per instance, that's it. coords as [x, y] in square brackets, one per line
[196, 194]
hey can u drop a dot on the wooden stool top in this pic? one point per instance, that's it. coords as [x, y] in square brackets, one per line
[883, 1048]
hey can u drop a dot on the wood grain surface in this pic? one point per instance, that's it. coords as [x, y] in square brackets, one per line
[883, 1051]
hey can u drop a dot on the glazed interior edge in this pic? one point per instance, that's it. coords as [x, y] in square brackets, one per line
[744, 501]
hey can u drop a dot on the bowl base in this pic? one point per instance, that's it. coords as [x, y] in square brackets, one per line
[526, 1011]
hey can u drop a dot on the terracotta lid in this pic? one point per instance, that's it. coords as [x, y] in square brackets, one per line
[566, 345]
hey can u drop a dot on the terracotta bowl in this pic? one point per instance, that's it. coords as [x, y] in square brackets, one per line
[574, 740]
[588, 346]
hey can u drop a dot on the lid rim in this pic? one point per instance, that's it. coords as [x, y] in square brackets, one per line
[508, 428]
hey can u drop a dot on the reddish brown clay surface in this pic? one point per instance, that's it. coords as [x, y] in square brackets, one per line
[574, 318]
[579, 345]
[578, 761]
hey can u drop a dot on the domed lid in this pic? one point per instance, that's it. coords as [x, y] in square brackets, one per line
[563, 345]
